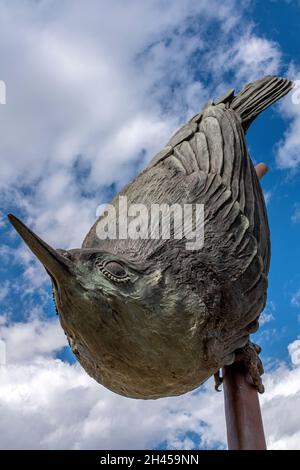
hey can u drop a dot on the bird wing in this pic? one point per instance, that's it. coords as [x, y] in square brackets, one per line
[214, 153]
[211, 150]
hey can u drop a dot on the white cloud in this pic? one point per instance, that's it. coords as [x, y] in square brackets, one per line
[48, 404]
[268, 314]
[280, 408]
[266, 317]
[295, 300]
[296, 215]
[294, 351]
[30, 341]
[288, 149]
[91, 103]
[82, 96]
[254, 57]
[4, 290]
[54, 405]
[93, 87]
[268, 196]
[248, 57]
[2, 220]
[82, 103]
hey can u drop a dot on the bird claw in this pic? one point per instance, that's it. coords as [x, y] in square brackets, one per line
[218, 381]
[248, 355]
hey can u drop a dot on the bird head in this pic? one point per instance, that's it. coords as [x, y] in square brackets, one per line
[120, 317]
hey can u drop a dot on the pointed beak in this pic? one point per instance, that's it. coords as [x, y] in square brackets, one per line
[57, 265]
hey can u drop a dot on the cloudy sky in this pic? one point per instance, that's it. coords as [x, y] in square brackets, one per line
[93, 90]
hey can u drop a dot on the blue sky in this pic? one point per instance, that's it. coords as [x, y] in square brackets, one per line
[92, 94]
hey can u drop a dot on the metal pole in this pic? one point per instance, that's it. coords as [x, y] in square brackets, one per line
[242, 410]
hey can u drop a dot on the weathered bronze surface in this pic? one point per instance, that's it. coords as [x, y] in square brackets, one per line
[148, 318]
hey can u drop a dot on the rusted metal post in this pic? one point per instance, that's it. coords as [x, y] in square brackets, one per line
[242, 410]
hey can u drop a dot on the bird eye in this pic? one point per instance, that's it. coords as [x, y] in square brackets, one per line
[114, 271]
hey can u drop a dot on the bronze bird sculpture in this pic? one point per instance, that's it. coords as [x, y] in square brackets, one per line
[148, 318]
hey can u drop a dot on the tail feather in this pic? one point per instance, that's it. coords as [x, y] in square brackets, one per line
[258, 96]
